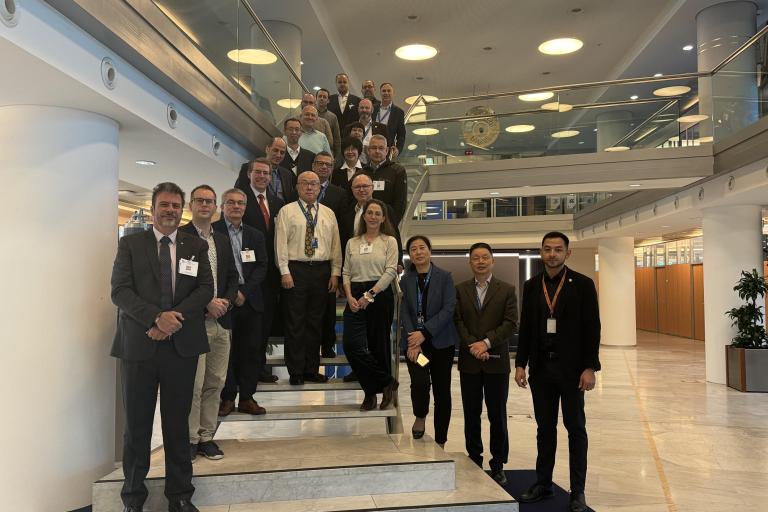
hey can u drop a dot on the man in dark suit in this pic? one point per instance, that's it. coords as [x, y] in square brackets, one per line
[211, 367]
[559, 342]
[393, 116]
[250, 256]
[390, 181]
[297, 159]
[161, 282]
[344, 104]
[283, 181]
[486, 316]
[369, 92]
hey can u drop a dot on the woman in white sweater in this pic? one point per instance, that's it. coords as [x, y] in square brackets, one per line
[370, 265]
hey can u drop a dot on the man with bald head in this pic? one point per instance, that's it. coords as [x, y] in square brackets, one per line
[344, 104]
[312, 140]
[308, 256]
[370, 127]
[283, 181]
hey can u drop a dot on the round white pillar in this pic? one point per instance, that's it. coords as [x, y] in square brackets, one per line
[275, 82]
[612, 127]
[729, 97]
[617, 291]
[59, 240]
[732, 243]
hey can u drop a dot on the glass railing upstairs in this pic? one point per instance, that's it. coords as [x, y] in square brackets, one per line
[648, 112]
[237, 43]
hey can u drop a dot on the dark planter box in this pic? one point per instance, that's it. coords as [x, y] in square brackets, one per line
[747, 368]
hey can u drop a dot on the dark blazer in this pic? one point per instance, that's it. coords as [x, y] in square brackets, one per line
[495, 320]
[441, 302]
[395, 192]
[347, 230]
[578, 325]
[349, 115]
[136, 292]
[226, 271]
[287, 179]
[302, 163]
[395, 127]
[254, 272]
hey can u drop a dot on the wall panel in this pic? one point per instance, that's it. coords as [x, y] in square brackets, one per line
[646, 299]
[698, 302]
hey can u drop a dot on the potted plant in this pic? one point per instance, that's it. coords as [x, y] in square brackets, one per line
[747, 355]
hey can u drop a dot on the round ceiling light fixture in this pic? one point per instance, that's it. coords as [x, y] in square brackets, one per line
[411, 147]
[426, 131]
[693, 118]
[564, 134]
[536, 96]
[673, 90]
[520, 128]
[416, 52]
[410, 100]
[688, 47]
[289, 102]
[561, 46]
[252, 56]
[616, 149]
[556, 106]
[146, 162]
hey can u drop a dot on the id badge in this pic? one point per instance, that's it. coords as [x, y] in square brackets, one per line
[248, 256]
[314, 243]
[188, 267]
[378, 185]
[422, 360]
[420, 321]
[551, 326]
[366, 249]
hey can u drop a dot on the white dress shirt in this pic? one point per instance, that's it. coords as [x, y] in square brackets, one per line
[290, 228]
[352, 170]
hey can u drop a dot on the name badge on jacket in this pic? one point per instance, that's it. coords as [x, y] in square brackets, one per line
[188, 267]
[366, 249]
[248, 256]
[378, 185]
[551, 326]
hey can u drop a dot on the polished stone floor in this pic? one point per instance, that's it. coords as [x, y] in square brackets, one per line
[661, 438]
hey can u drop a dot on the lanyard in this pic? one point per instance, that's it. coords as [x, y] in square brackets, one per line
[385, 118]
[420, 294]
[552, 303]
[310, 222]
[366, 130]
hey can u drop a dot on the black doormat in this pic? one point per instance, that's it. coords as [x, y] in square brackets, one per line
[520, 480]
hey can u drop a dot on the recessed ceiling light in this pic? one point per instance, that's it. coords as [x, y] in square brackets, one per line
[665, 226]
[520, 128]
[494, 193]
[536, 96]
[581, 142]
[657, 75]
[674, 90]
[289, 102]
[252, 56]
[146, 162]
[564, 134]
[561, 46]
[594, 129]
[316, 88]
[410, 100]
[615, 149]
[301, 63]
[634, 185]
[411, 147]
[705, 140]
[416, 52]
[693, 118]
[634, 97]
[688, 47]
[426, 131]
[557, 106]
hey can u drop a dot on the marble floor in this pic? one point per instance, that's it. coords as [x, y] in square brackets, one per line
[661, 438]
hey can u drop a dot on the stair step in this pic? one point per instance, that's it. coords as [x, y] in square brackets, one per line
[324, 361]
[311, 412]
[331, 385]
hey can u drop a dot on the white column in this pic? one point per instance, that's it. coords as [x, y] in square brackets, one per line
[59, 237]
[617, 290]
[732, 243]
[612, 127]
[729, 97]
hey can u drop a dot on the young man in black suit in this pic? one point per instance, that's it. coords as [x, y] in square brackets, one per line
[250, 256]
[297, 159]
[344, 104]
[559, 342]
[486, 317]
[393, 116]
[211, 367]
[161, 282]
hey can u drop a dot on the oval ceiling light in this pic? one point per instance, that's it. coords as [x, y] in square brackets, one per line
[416, 52]
[419, 109]
[674, 90]
[410, 100]
[536, 96]
[426, 131]
[688, 47]
[565, 134]
[557, 107]
[252, 56]
[693, 118]
[417, 118]
[146, 162]
[561, 46]
[289, 102]
[520, 128]
[411, 147]
[616, 149]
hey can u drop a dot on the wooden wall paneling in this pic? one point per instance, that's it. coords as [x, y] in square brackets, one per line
[645, 299]
[698, 302]
[680, 300]
[662, 294]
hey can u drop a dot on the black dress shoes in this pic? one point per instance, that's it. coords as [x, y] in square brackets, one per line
[315, 377]
[417, 434]
[267, 378]
[499, 477]
[389, 394]
[182, 506]
[296, 380]
[133, 508]
[578, 502]
[536, 493]
[369, 403]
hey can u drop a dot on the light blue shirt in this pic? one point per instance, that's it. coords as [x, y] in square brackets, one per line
[315, 142]
[236, 240]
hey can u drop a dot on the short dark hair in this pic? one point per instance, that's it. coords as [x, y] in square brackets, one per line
[342, 74]
[201, 187]
[323, 89]
[285, 123]
[259, 160]
[480, 245]
[556, 234]
[168, 187]
[352, 141]
[412, 240]
[355, 124]
[386, 83]
[323, 153]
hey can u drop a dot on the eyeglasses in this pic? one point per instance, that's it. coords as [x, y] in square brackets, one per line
[324, 164]
[310, 183]
[203, 200]
[361, 187]
[232, 202]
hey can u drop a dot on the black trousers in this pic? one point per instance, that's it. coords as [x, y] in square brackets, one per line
[550, 388]
[436, 374]
[175, 377]
[303, 308]
[328, 338]
[367, 342]
[495, 388]
[247, 356]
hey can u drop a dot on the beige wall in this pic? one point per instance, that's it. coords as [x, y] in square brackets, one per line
[582, 260]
